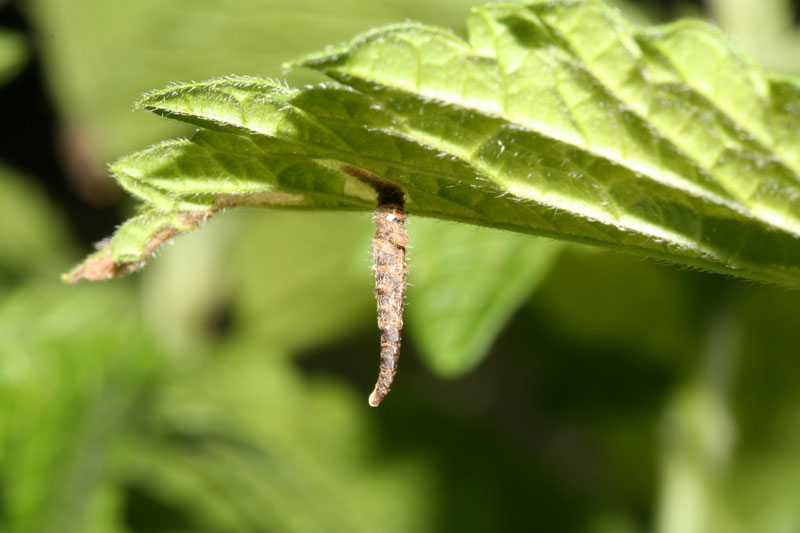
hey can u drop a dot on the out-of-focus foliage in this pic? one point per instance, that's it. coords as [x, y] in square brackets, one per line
[225, 388]
[72, 366]
[243, 443]
[12, 54]
[73, 370]
[38, 241]
[767, 29]
[458, 301]
[102, 55]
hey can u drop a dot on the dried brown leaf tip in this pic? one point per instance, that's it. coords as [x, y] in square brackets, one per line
[101, 265]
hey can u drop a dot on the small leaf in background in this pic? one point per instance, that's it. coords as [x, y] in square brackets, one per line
[13, 53]
[465, 284]
[38, 242]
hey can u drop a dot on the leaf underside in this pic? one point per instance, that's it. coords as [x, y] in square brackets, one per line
[555, 118]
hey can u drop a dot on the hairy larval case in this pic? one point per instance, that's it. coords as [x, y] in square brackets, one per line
[389, 264]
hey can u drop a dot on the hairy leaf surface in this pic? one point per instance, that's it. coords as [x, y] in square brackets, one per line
[554, 118]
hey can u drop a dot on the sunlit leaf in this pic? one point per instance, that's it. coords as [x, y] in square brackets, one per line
[556, 119]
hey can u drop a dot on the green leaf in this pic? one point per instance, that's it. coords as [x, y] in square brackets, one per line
[13, 53]
[555, 119]
[465, 285]
[38, 241]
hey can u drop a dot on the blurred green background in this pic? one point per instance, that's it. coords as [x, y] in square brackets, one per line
[542, 387]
